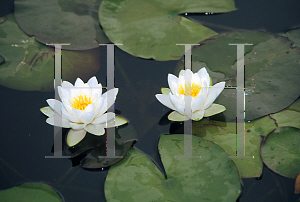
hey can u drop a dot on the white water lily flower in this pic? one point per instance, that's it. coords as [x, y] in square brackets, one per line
[83, 109]
[199, 90]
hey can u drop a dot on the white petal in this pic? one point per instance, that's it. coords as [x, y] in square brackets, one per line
[75, 136]
[66, 84]
[120, 121]
[173, 83]
[214, 109]
[175, 116]
[198, 103]
[198, 115]
[165, 100]
[174, 100]
[59, 121]
[99, 104]
[93, 82]
[67, 105]
[213, 93]
[103, 118]
[77, 113]
[181, 110]
[204, 76]
[65, 93]
[77, 126]
[87, 117]
[97, 90]
[79, 83]
[109, 99]
[97, 129]
[48, 111]
[90, 107]
[68, 116]
[55, 105]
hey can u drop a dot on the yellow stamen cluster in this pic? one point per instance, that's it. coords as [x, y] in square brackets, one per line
[192, 90]
[81, 102]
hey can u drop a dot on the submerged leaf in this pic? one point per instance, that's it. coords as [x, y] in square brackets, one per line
[29, 65]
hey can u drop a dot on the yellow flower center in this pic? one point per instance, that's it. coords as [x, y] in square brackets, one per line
[81, 102]
[192, 90]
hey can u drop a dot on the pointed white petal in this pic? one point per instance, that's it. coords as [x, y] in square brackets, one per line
[55, 105]
[175, 116]
[58, 121]
[109, 99]
[213, 93]
[204, 77]
[173, 83]
[198, 103]
[75, 136]
[214, 109]
[48, 111]
[90, 107]
[198, 115]
[68, 116]
[174, 100]
[79, 83]
[87, 117]
[103, 118]
[77, 113]
[66, 84]
[77, 126]
[165, 100]
[97, 129]
[92, 82]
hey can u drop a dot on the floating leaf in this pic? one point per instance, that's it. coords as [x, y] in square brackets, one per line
[297, 185]
[295, 106]
[224, 134]
[29, 65]
[62, 21]
[271, 72]
[293, 35]
[95, 146]
[30, 192]
[280, 151]
[151, 29]
[213, 177]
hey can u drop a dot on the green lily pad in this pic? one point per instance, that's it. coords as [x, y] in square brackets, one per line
[280, 151]
[29, 65]
[151, 29]
[295, 106]
[94, 146]
[293, 35]
[62, 21]
[213, 177]
[30, 192]
[272, 72]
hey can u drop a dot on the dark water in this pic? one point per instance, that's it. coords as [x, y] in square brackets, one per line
[26, 138]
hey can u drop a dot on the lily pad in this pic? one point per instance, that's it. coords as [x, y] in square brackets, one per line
[213, 177]
[29, 65]
[295, 106]
[151, 29]
[224, 134]
[30, 192]
[294, 36]
[280, 151]
[94, 146]
[272, 72]
[62, 21]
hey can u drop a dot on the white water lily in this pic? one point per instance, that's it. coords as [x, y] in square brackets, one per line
[199, 90]
[83, 109]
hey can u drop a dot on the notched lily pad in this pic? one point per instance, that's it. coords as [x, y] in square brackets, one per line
[87, 152]
[272, 72]
[62, 21]
[151, 29]
[136, 178]
[29, 65]
[31, 192]
[294, 36]
[280, 151]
